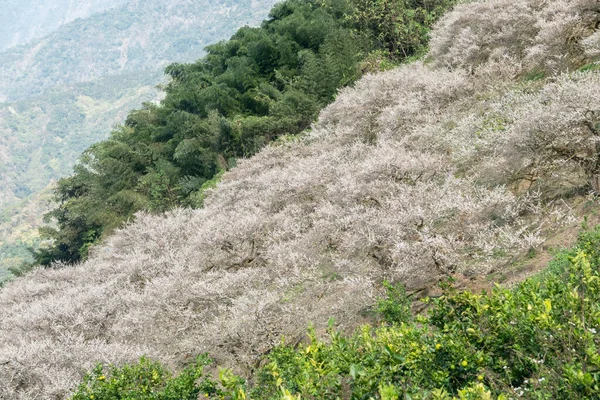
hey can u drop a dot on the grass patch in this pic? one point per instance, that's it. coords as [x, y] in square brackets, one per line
[535, 75]
[593, 66]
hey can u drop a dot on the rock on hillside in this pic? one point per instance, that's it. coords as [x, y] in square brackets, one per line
[429, 170]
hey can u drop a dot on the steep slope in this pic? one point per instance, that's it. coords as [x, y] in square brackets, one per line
[24, 21]
[448, 168]
[65, 91]
[263, 83]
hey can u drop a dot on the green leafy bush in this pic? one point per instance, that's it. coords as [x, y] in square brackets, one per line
[538, 340]
[145, 380]
[395, 307]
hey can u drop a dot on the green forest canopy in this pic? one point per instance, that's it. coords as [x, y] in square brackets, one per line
[65, 91]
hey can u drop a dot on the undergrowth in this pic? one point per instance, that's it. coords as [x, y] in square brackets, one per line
[146, 380]
[538, 340]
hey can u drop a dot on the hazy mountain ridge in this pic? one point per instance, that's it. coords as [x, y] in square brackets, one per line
[24, 21]
[87, 109]
[418, 173]
[137, 36]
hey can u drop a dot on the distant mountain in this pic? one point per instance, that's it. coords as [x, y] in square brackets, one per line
[22, 21]
[63, 92]
[140, 35]
[42, 135]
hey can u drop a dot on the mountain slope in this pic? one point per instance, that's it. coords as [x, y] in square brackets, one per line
[414, 174]
[263, 83]
[65, 91]
[116, 51]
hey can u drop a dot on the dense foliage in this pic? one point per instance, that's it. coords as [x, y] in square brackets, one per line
[539, 340]
[145, 380]
[261, 84]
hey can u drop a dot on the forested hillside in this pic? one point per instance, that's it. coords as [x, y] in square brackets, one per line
[65, 91]
[466, 165]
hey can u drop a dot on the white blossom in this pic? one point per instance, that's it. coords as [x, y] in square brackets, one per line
[428, 170]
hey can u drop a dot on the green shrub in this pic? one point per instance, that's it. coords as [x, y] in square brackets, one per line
[395, 307]
[538, 340]
[196, 199]
[145, 380]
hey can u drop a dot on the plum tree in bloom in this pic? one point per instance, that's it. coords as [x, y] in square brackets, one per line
[428, 170]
